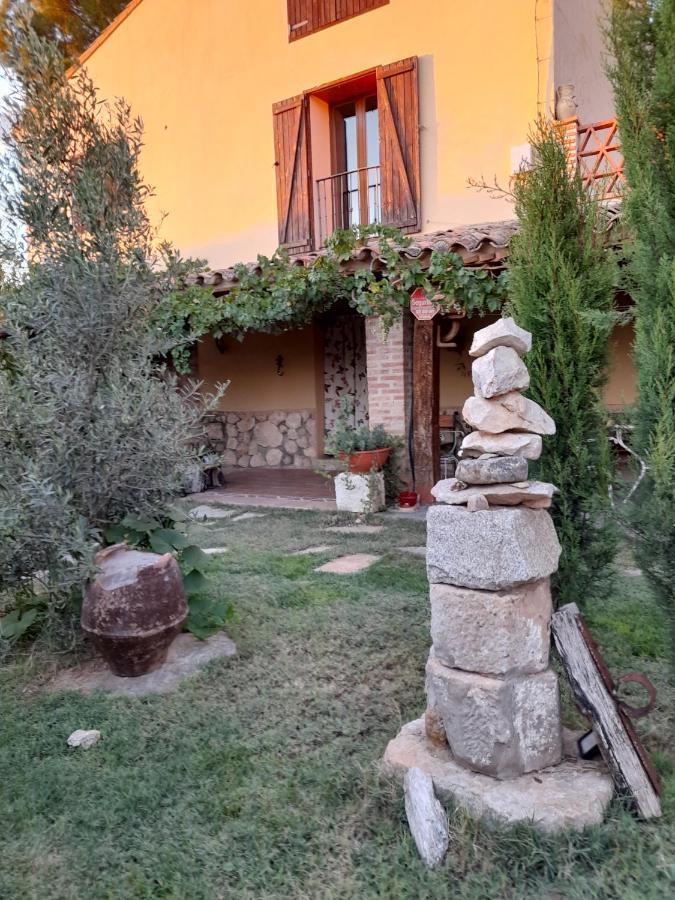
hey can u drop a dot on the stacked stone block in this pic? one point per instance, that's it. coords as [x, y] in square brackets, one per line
[491, 548]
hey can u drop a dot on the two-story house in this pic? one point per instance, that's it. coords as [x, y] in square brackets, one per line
[272, 123]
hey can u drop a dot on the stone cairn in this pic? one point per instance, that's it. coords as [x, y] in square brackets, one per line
[491, 548]
[493, 708]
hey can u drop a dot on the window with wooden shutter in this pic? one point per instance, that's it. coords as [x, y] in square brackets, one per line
[294, 184]
[307, 16]
[397, 103]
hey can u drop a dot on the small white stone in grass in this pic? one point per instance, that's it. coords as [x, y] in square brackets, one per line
[426, 817]
[213, 551]
[84, 739]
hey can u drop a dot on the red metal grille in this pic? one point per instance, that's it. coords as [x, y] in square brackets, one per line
[600, 159]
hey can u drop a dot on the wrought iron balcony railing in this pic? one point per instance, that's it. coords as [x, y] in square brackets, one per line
[348, 198]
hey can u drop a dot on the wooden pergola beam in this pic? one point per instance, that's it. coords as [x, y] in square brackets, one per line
[425, 403]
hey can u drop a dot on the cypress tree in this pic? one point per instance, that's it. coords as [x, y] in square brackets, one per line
[561, 280]
[642, 43]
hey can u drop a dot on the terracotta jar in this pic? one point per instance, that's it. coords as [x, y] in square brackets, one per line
[134, 608]
[565, 102]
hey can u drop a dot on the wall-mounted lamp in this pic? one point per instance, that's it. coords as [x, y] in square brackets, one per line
[279, 362]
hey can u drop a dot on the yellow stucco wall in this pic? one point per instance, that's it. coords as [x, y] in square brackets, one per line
[251, 368]
[204, 74]
[455, 369]
[620, 390]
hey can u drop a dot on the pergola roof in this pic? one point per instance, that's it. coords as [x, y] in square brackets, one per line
[484, 245]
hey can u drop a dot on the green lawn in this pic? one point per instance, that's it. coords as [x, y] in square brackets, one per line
[257, 779]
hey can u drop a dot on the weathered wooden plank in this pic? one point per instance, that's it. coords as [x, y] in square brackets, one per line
[616, 744]
[426, 447]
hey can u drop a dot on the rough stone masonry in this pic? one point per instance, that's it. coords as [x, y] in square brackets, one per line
[492, 697]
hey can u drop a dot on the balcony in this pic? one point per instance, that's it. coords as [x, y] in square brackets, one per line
[596, 150]
[599, 158]
[348, 198]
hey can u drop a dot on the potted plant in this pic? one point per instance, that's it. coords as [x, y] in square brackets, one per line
[363, 449]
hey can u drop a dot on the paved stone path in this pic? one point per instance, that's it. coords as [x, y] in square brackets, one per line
[349, 565]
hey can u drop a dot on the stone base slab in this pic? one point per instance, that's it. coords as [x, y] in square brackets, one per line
[573, 795]
[186, 656]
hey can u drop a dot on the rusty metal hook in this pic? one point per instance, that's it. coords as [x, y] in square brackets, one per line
[636, 712]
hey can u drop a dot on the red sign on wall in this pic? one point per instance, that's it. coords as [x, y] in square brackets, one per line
[421, 306]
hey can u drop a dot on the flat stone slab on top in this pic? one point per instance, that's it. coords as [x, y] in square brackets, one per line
[572, 795]
[349, 565]
[186, 656]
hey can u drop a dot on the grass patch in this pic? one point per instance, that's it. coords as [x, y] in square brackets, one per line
[258, 780]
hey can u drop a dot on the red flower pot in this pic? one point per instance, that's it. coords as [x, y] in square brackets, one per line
[407, 499]
[364, 461]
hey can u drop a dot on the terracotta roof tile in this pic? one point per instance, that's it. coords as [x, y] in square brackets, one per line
[484, 245]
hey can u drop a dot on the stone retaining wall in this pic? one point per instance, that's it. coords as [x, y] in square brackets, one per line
[275, 438]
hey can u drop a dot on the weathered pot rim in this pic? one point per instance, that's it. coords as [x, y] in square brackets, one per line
[172, 623]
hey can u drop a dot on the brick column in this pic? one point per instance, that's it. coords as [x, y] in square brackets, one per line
[569, 131]
[389, 370]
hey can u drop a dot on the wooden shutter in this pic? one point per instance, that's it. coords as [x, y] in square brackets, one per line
[308, 16]
[397, 104]
[294, 184]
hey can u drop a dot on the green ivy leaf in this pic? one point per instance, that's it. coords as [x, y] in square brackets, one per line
[16, 623]
[194, 582]
[138, 523]
[193, 557]
[115, 534]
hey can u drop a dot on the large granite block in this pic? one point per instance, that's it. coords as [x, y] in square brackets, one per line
[500, 371]
[490, 549]
[493, 632]
[499, 727]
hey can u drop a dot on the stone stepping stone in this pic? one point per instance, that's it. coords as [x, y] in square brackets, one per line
[211, 512]
[186, 656]
[349, 565]
[356, 529]
[212, 551]
[249, 515]
[414, 551]
[308, 551]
